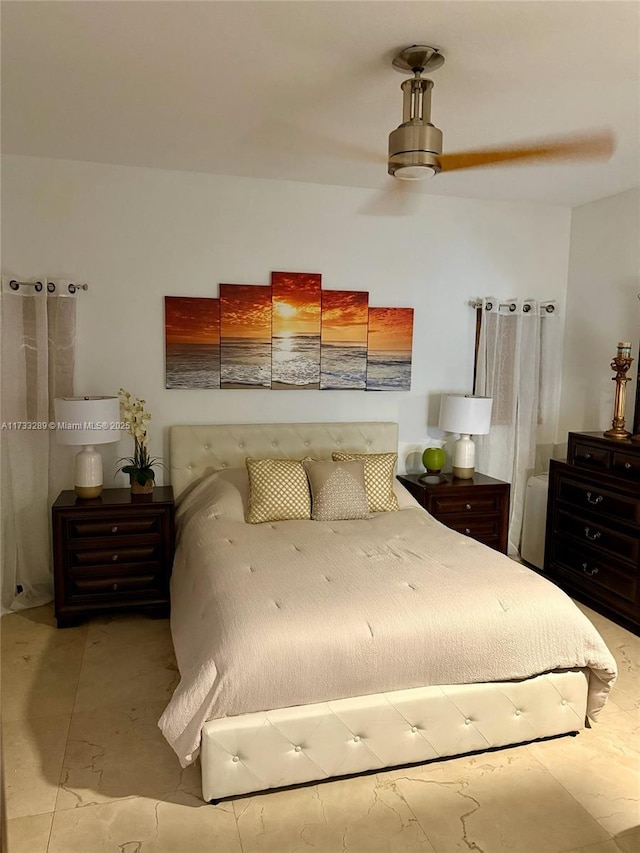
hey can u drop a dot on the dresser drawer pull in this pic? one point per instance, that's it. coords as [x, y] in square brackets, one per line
[115, 585]
[627, 465]
[598, 499]
[588, 571]
[593, 536]
[114, 558]
[587, 456]
[467, 506]
[114, 529]
[467, 530]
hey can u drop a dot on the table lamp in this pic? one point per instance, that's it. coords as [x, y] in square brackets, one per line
[86, 422]
[466, 415]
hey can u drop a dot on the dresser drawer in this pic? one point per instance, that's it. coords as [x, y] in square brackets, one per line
[598, 501]
[116, 526]
[452, 504]
[588, 570]
[588, 456]
[626, 466]
[597, 535]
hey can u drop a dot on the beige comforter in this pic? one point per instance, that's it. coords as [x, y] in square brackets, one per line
[295, 612]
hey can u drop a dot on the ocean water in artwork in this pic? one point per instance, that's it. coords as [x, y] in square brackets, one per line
[343, 366]
[193, 366]
[245, 362]
[389, 371]
[296, 360]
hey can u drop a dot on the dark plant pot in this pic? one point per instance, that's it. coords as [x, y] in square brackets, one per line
[137, 489]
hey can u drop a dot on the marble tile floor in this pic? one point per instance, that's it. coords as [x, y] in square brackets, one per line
[87, 770]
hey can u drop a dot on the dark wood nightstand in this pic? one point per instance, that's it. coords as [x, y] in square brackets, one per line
[114, 552]
[478, 507]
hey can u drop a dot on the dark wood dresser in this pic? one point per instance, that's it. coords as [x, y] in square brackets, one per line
[478, 507]
[592, 547]
[114, 552]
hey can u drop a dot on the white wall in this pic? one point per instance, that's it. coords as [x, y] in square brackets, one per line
[602, 309]
[136, 235]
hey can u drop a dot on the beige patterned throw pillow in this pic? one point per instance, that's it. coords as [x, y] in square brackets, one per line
[378, 478]
[337, 490]
[278, 490]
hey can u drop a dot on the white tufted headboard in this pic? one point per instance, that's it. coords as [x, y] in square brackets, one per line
[199, 450]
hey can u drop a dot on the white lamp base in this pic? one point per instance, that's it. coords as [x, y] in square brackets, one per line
[88, 473]
[464, 457]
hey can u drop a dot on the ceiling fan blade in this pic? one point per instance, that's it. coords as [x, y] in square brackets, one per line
[591, 146]
[395, 199]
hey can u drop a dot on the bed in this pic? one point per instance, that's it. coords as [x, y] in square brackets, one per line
[314, 649]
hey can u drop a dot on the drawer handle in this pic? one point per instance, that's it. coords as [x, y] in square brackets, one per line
[596, 535]
[467, 531]
[597, 500]
[587, 456]
[467, 506]
[114, 529]
[115, 585]
[114, 558]
[627, 465]
[588, 571]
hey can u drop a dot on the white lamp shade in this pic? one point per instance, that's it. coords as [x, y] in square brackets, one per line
[87, 420]
[465, 415]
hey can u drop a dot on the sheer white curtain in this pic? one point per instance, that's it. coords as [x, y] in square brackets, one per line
[38, 354]
[516, 353]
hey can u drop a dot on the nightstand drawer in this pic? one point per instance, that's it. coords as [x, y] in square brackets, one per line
[113, 587]
[118, 554]
[627, 466]
[588, 456]
[453, 504]
[599, 536]
[478, 527]
[116, 526]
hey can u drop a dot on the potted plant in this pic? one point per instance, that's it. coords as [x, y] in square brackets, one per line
[140, 466]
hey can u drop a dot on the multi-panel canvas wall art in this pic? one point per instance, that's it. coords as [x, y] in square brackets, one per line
[192, 341]
[389, 349]
[295, 330]
[245, 336]
[288, 335]
[343, 349]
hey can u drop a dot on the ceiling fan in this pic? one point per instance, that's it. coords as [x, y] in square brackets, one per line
[415, 147]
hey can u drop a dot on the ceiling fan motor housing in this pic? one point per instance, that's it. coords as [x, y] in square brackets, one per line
[415, 145]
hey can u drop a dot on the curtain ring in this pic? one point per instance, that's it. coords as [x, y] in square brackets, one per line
[526, 308]
[14, 285]
[489, 306]
[512, 307]
[51, 287]
[38, 286]
[72, 288]
[549, 309]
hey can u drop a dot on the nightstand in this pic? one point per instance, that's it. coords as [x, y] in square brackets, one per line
[114, 552]
[478, 507]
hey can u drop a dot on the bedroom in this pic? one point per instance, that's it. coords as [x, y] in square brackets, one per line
[112, 178]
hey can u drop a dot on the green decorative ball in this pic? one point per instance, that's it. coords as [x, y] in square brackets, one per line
[433, 459]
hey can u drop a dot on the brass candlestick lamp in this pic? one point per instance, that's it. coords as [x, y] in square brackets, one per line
[620, 364]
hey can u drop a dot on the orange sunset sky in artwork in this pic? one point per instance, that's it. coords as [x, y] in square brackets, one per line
[344, 316]
[245, 311]
[390, 329]
[296, 303]
[192, 320]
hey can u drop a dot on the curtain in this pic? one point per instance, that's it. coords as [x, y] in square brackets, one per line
[517, 350]
[38, 354]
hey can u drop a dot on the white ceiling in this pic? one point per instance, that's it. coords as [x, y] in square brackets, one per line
[304, 90]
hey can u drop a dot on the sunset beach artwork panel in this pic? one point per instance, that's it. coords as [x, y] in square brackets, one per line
[295, 325]
[245, 336]
[192, 339]
[389, 349]
[343, 343]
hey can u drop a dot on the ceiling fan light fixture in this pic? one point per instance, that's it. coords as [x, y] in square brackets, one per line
[414, 173]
